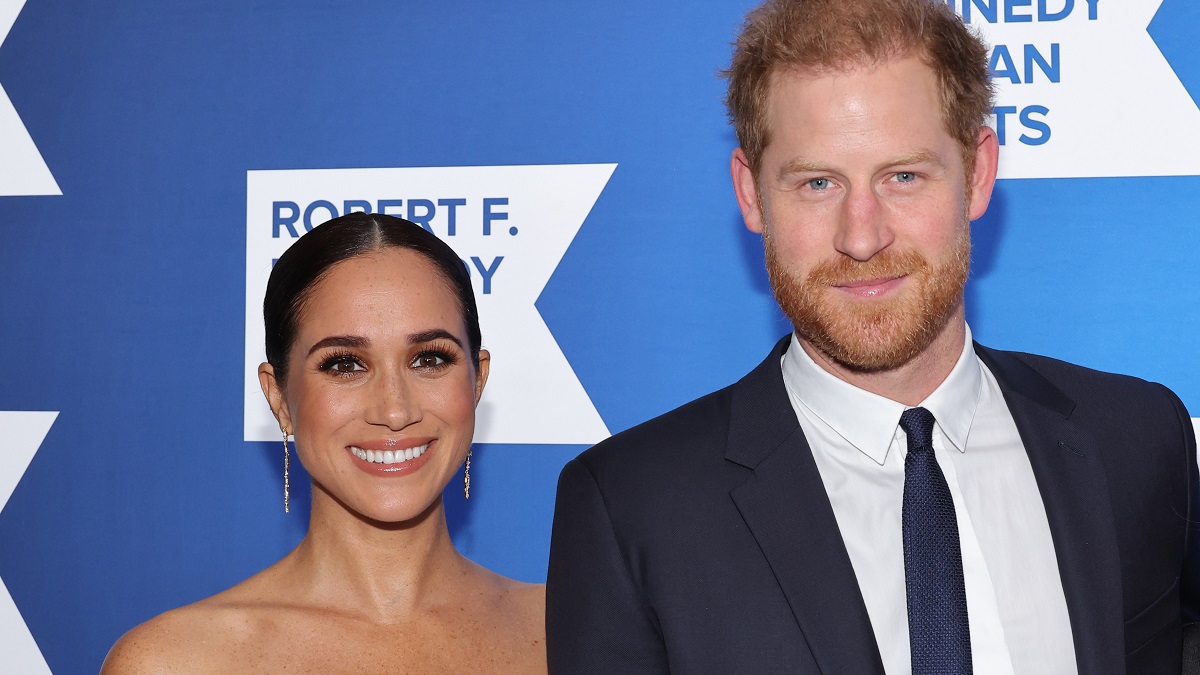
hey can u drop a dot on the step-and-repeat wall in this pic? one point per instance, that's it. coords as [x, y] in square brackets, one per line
[155, 157]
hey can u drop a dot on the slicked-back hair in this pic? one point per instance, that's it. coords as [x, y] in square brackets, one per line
[312, 256]
[815, 37]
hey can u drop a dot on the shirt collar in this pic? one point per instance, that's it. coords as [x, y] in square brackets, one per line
[869, 421]
[956, 399]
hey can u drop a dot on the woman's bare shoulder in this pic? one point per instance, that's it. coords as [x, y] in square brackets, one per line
[509, 596]
[202, 637]
[517, 617]
[169, 643]
[528, 599]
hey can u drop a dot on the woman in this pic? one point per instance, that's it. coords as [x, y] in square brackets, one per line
[374, 364]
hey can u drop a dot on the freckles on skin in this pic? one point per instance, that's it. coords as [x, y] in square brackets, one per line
[858, 128]
[849, 122]
[402, 376]
[864, 212]
[851, 125]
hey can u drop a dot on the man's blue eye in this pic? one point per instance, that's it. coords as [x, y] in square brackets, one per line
[906, 176]
[818, 183]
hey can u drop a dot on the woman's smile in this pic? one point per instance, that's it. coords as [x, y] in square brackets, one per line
[401, 459]
[383, 381]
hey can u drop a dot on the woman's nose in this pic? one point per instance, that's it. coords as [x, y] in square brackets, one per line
[395, 403]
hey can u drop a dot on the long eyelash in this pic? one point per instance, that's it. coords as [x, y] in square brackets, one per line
[446, 357]
[444, 352]
[338, 357]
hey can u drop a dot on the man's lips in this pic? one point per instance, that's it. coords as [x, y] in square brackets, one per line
[870, 288]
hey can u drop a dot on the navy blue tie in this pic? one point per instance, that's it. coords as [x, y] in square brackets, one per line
[939, 633]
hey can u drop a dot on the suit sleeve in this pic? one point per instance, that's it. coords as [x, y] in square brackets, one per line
[1189, 581]
[597, 620]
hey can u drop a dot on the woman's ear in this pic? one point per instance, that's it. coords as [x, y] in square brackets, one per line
[481, 373]
[273, 390]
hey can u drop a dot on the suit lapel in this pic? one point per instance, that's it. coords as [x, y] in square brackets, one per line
[785, 507]
[1074, 487]
[787, 511]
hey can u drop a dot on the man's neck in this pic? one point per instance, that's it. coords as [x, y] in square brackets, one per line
[912, 382]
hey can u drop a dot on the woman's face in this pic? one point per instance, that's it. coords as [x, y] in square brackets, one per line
[381, 390]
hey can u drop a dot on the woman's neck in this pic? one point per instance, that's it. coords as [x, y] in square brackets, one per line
[391, 571]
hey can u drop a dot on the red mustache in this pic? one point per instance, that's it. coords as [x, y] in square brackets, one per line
[884, 265]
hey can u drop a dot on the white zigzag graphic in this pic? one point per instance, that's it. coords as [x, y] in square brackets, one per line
[23, 171]
[1117, 107]
[21, 434]
[543, 208]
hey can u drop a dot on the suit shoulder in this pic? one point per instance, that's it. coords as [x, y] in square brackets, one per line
[1098, 392]
[1050, 365]
[1076, 379]
[698, 424]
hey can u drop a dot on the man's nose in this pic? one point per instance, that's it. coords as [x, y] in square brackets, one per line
[862, 230]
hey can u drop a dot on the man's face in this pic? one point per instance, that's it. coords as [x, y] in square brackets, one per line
[864, 206]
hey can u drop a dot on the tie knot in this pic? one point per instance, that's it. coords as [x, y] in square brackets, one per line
[918, 424]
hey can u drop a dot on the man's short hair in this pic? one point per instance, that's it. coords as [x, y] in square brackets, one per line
[826, 36]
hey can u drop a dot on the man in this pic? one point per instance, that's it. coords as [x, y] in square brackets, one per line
[880, 494]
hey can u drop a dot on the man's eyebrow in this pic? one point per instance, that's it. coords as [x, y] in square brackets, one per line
[800, 165]
[434, 334]
[918, 157]
[340, 341]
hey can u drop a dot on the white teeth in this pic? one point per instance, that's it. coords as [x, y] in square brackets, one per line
[389, 456]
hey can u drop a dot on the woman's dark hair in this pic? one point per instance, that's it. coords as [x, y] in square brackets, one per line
[354, 234]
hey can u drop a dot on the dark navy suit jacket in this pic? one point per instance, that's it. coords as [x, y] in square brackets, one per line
[703, 541]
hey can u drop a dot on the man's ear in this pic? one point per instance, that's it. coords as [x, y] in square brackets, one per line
[481, 373]
[983, 176]
[745, 187]
[274, 392]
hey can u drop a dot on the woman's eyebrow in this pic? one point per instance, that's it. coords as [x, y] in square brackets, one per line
[434, 334]
[340, 341]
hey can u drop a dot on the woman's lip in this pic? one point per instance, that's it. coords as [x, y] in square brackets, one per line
[396, 467]
[869, 288]
[393, 444]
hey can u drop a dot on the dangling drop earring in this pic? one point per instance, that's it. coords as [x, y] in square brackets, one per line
[286, 465]
[467, 477]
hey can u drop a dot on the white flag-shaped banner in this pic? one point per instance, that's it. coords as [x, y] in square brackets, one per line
[21, 434]
[511, 225]
[1117, 107]
[22, 169]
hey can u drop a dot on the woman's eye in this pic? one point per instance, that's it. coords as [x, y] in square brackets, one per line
[430, 360]
[343, 365]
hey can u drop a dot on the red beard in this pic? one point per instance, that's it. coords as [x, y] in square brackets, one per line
[873, 334]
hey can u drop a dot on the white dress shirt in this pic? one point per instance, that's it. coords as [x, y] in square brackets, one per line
[1015, 602]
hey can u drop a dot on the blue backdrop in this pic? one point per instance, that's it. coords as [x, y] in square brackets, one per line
[122, 300]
